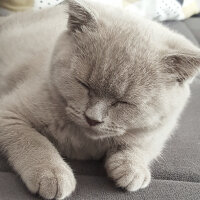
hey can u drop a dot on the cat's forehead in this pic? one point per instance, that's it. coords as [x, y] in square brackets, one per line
[114, 64]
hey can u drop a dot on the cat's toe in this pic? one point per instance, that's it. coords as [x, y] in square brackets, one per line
[128, 175]
[50, 182]
[66, 185]
[141, 178]
[48, 186]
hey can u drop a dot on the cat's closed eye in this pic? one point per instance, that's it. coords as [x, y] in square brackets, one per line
[85, 85]
[120, 102]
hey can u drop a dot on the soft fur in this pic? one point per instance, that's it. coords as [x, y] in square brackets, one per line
[82, 81]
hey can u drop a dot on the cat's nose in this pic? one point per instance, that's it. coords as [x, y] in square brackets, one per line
[92, 122]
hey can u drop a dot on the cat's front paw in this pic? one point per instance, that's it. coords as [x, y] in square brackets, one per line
[128, 174]
[50, 182]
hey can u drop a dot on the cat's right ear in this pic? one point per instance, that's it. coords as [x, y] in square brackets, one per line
[79, 17]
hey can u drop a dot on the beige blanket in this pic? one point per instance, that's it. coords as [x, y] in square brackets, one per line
[16, 5]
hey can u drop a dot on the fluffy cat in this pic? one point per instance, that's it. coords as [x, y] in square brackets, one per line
[85, 84]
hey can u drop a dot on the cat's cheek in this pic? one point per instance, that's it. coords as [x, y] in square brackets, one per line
[129, 117]
[120, 116]
[78, 98]
[75, 114]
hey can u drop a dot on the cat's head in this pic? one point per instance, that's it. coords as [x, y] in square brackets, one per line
[117, 72]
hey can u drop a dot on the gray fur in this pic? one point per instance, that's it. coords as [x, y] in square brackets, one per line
[128, 75]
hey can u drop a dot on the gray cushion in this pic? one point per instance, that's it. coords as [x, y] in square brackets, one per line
[183, 28]
[193, 25]
[95, 187]
[176, 174]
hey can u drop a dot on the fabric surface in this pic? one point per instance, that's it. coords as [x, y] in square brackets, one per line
[159, 10]
[16, 5]
[183, 27]
[41, 4]
[162, 10]
[193, 25]
[101, 188]
[176, 176]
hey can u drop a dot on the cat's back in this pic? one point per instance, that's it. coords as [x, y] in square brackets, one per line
[27, 40]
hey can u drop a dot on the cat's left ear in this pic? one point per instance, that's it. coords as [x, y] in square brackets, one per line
[181, 58]
[79, 17]
[182, 65]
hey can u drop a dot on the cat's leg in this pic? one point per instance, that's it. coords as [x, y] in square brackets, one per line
[34, 158]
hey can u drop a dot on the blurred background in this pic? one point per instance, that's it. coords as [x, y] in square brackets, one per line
[159, 10]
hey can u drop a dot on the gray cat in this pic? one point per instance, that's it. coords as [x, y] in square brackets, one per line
[96, 81]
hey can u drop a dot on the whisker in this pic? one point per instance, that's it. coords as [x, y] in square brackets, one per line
[74, 114]
[109, 130]
[75, 110]
[115, 127]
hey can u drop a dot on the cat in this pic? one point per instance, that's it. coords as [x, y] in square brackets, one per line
[83, 81]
